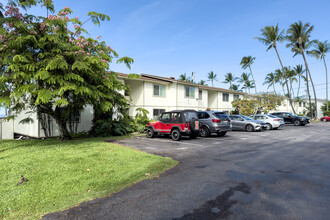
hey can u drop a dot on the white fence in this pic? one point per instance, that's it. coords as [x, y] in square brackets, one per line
[6, 129]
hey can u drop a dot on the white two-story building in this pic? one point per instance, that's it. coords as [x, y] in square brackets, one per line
[158, 94]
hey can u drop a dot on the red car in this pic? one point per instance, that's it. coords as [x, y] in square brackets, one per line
[175, 123]
[325, 118]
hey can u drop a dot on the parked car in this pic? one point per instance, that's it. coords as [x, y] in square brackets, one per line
[325, 118]
[290, 118]
[176, 124]
[242, 122]
[214, 122]
[272, 121]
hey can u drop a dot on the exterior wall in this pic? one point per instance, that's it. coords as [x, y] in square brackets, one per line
[6, 129]
[203, 103]
[213, 100]
[30, 129]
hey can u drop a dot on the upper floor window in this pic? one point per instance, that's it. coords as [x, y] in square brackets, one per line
[225, 97]
[236, 97]
[159, 90]
[190, 92]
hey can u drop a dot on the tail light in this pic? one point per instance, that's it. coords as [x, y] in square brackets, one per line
[228, 120]
[277, 119]
[216, 120]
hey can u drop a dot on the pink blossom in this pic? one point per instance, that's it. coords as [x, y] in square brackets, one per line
[66, 7]
[103, 76]
[88, 54]
[77, 18]
[67, 18]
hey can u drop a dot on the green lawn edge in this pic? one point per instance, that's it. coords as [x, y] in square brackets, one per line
[63, 174]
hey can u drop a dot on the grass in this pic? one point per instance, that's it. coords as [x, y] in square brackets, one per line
[62, 174]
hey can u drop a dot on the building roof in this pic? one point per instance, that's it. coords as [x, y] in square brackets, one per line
[146, 77]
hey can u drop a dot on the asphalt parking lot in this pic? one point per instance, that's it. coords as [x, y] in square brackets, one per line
[278, 174]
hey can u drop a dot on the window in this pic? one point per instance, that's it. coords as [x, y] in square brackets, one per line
[200, 94]
[299, 104]
[166, 117]
[304, 104]
[157, 112]
[236, 97]
[225, 97]
[190, 115]
[190, 92]
[159, 90]
[203, 115]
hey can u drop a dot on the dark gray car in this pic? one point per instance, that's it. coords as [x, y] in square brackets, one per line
[242, 122]
[214, 122]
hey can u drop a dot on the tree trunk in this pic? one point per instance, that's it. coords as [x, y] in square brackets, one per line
[326, 81]
[255, 86]
[315, 99]
[286, 80]
[274, 88]
[61, 122]
[307, 84]
[298, 88]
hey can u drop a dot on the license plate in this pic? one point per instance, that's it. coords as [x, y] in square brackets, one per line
[197, 125]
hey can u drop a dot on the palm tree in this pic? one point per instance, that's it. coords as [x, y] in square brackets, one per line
[212, 77]
[321, 48]
[279, 77]
[202, 82]
[184, 77]
[247, 62]
[270, 80]
[235, 87]
[272, 35]
[298, 36]
[245, 80]
[291, 75]
[299, 73]
[248, 85]
[229, 78]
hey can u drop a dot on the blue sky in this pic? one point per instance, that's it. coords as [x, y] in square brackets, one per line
[171, 37]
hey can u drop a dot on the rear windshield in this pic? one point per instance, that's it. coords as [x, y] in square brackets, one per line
[220, 115]
[272, 116]
[190, 115]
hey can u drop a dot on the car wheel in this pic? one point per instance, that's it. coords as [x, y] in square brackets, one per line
[324, 119]
[150, 133]
[221, 133]
[205, 132]
[275, 128]
[297, 123]
[249, 128]
[176, 135]
[269, 126]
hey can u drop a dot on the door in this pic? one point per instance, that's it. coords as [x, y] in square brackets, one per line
[164, 123]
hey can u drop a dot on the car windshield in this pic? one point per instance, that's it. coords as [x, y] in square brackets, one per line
[246, 117]
[220, 115]
[190, 115]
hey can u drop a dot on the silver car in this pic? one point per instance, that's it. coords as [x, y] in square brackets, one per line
[272, 121]
[242, 122]
[214, 122]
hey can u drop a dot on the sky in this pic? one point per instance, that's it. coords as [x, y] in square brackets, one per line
[171, 37]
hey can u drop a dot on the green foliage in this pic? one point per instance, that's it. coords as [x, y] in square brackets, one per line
[261, 102]
[48, 62]
[141, 119]
[324, 107]
[110, 127]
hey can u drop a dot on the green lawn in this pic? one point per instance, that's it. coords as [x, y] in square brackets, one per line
[62, 174]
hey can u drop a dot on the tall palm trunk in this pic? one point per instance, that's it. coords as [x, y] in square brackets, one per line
[255, 86]
[307, 71]
[286, 80]
[274, 88]
[298, 88]
[326, 81]
[292, 92]
[315, 99]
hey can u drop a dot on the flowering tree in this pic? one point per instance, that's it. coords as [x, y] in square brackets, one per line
[261, 102]
[48, 65]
